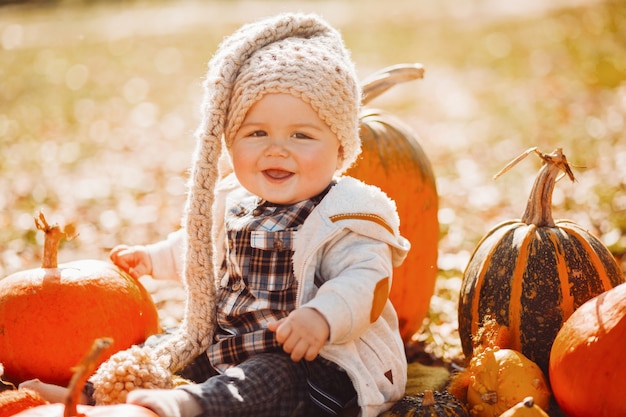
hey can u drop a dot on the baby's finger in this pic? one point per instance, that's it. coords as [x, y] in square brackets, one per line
[283, 331]
[298, 351]
[274, 325]
[134, 273]
[289, 344]
[115, 252]
[121, 263]
[311, 353]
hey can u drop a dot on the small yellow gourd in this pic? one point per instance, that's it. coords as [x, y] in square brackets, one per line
[501, 378]
[525, 408]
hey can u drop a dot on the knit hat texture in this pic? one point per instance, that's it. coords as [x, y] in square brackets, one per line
[298, 54]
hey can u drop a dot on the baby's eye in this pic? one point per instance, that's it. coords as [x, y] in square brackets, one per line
[301, 136]
[258, 133]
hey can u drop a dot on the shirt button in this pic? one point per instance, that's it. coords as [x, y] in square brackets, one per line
[237, 286]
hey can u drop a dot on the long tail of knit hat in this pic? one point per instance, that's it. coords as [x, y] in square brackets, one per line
[298, 54]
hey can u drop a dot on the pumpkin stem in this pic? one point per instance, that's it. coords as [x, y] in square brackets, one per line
[489, 397]
[82, 372]
[539, 208]
[383, 80]
[429, 398]
[53, 235]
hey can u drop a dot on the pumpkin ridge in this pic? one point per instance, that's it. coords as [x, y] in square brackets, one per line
[475, 284]
[591, 267]
[567, 300]
[591, 245]
[541, 314]
[384, 124]
[497, 283]
[588, 267]
[517, 282]
[478, 284]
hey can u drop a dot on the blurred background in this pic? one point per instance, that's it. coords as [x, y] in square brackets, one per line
[99, 101]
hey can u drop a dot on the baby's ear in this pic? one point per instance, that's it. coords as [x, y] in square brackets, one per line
[340, 157]
[224, 163]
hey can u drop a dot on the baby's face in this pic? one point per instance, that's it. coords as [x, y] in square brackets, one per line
[283, 152]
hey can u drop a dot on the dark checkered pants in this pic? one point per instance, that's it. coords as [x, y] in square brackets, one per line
[272, 385]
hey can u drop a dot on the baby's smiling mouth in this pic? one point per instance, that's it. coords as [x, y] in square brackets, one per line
[277, 174]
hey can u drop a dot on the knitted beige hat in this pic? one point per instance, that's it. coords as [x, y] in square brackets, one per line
[299, 54]
[295, 54]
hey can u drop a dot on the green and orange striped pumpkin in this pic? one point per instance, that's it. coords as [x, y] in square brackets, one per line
[531, 274]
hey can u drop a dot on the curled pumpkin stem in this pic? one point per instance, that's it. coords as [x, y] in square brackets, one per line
[515, 161]
[539, 208]
[555, 158]
[82, 372]
[386, 78]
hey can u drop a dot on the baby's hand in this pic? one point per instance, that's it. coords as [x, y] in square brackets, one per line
[134, 260]
[302, 333]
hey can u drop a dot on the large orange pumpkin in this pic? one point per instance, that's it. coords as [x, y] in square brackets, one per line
[49, 316]
[587, 370]
[531, 274]
[393, 160]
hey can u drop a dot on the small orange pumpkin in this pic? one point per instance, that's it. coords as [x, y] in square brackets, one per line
[587, 370]
[531, 274]
[393, 160]
[49, 316]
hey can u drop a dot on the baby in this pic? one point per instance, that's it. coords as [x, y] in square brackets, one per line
[293, 317]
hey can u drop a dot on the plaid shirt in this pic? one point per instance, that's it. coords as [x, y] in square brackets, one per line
[257, 282]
